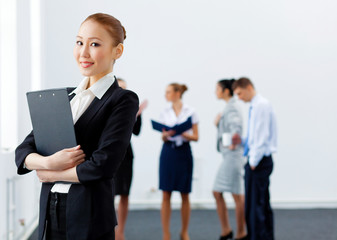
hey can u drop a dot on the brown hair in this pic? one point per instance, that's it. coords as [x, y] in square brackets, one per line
[179, 88]
[111, 24]
[242, 83]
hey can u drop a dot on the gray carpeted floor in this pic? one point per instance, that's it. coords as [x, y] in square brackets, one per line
[313, 224]
[316, 224]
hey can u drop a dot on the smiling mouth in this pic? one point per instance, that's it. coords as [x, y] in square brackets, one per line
[86, 64]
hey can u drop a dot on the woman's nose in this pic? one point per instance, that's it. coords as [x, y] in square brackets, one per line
[85, 51]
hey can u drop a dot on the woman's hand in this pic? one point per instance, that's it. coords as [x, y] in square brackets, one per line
[66, 158]
[232, 147]
[236, 140]
[166, 134]
[142, 106]
[195, 134]
[217, 119]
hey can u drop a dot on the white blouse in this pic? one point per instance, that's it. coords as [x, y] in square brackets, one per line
[79, 103]
[169, 118]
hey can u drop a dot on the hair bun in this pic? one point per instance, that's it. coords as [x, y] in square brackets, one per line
[183, 88]
[124, 32]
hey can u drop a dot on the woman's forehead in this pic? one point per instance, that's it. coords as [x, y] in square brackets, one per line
[92, 29]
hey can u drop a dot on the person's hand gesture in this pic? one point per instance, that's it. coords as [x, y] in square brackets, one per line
[66, 158]
[167, 134]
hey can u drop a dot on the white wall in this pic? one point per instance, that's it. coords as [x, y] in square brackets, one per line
[23, 190]
[288, 49]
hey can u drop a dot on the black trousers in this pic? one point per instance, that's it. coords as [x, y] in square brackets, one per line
[259, 215]
[56, 219]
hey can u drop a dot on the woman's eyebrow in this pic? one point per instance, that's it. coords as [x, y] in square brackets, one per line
[96, 38]
[91, 38]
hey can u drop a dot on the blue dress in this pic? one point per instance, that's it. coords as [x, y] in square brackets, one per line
[176, 160]
[176, 168]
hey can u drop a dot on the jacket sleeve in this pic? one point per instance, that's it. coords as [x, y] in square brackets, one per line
[113, 142]
[138, 124]
[22, 151]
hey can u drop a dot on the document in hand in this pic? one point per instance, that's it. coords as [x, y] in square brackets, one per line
[178, 128]
[52, 120]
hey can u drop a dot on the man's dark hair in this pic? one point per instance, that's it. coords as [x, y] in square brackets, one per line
[242, 83]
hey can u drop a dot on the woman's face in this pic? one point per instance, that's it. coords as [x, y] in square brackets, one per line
[94, 50]
[219, 92]
[171, 95]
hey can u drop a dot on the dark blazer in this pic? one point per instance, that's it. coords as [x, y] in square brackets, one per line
[103, 131]
[136, 131]
[123, 177]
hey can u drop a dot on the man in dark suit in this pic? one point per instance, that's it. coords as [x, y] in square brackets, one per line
[258, 147]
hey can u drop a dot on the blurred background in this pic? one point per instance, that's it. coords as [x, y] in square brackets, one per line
[287, 48]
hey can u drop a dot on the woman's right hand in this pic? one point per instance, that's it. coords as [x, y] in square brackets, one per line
[66, 158]
[167, 134]
[217, 119]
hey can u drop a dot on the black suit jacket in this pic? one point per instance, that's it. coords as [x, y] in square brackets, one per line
[103, 131]
[136, 131]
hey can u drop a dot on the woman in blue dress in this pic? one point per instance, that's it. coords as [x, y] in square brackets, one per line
[176, 160]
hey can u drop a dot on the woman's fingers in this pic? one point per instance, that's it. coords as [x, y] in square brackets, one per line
[72, 149]
[80, 159]
[171, 132]
[76, 153]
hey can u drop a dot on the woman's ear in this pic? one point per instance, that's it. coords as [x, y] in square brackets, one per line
[118, 51]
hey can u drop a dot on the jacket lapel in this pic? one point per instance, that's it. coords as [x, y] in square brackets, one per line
[71, 96]
[94, 107]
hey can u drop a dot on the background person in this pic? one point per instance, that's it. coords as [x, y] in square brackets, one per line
[259, 145]
[104, 115]
[176, 160]
[230, 174]
[123, 177]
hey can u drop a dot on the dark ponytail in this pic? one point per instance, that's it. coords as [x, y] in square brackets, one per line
[226, 84]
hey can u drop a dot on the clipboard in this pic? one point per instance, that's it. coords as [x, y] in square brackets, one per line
[178, 128]
[52, 120]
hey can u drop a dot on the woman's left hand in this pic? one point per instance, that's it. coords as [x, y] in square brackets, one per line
[232, 147]
[186, 135]
[191, 137]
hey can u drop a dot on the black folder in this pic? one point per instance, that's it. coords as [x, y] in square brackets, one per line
[52, 120]
[178, 128]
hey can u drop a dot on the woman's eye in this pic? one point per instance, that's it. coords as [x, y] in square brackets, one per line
[79, 43]
[94, 44]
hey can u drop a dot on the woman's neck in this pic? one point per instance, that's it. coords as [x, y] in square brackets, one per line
[177, 106]
[227, 98]
[94, 79]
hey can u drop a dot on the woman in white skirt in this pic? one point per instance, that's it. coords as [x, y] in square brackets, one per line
[230, 174]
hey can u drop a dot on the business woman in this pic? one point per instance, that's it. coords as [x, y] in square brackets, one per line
[104, 114]
[123, 177]
[176, 161]
[230, 173]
